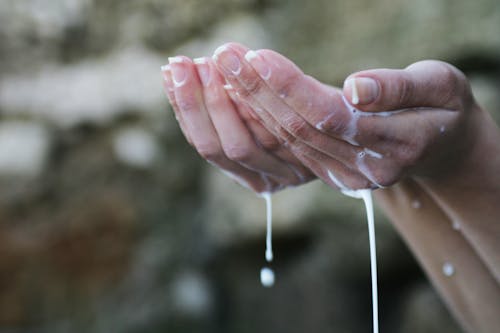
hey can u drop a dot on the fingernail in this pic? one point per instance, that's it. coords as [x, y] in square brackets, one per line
[165, 69]
[228, 60]
[178, 72]
[167, 74]
[203, 70]
[364, 90]
[255, 59]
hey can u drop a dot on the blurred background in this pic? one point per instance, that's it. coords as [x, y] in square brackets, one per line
[109, 222]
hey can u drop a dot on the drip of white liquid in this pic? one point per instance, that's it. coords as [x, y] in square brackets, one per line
[266, 273]
[366, 195]
[269, 219]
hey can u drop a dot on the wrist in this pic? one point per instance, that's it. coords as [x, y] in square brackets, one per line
[475, 160]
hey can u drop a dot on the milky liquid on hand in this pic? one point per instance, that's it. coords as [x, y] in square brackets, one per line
[266, 273]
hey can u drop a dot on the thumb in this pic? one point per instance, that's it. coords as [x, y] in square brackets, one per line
[426, 83]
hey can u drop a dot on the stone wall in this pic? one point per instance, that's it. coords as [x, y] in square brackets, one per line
[109, 222]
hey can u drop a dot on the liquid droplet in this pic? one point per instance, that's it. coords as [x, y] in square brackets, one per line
[267, 277]
[448, 269]
[416, 204]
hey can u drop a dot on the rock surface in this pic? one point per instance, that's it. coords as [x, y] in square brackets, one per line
[110, 222]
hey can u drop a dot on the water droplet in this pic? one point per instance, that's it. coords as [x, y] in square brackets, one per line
[455, 225]
[416, 204]
[448, 269]
[442, 129]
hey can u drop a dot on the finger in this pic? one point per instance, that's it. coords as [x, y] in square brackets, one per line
[376, 134]
[237, 143]
[332, 172]
[274, 111]
[423, 84]
[271, 143]
[254, 124]
[189, 100]
[322, 106]
[244, 110]
[169, 90]
[409, 138]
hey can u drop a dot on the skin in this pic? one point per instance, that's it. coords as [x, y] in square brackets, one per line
[416, 135]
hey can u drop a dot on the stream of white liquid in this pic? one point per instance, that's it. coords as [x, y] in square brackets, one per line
[267, 274]
[366, 195]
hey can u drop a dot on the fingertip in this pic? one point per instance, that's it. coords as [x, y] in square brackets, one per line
[258, 63]
[226, 46]
[165, 68]
[203, 69]
[360, 90]
[178, 69]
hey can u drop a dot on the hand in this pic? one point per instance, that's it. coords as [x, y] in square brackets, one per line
[228, 134]
[384, 125]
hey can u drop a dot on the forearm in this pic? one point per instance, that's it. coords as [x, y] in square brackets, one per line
[471, 196]
[456, 220]
[453, 265]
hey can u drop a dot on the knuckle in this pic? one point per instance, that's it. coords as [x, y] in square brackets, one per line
[238, 153]
[459, 91]
[407, 88]
[270, 144]
[213, 99]
[188, 104]
[357, 181]
[284, 134]
[336, 125]
[386, 178]
[252, 86]
[287, 87]
[298, 127]
[454, 88]
[408, 155]
[209, 152]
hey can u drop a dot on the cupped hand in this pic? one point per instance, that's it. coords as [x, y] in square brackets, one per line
[226, 132]
[384, 125]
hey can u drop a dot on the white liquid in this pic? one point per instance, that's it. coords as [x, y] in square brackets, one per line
[448, 269]
[269, 218]
[266, 273]
[416, 204]
[366, 195]
[355, 97]
[267, 277]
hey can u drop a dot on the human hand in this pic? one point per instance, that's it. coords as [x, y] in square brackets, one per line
[384, 125]
[225, 131]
